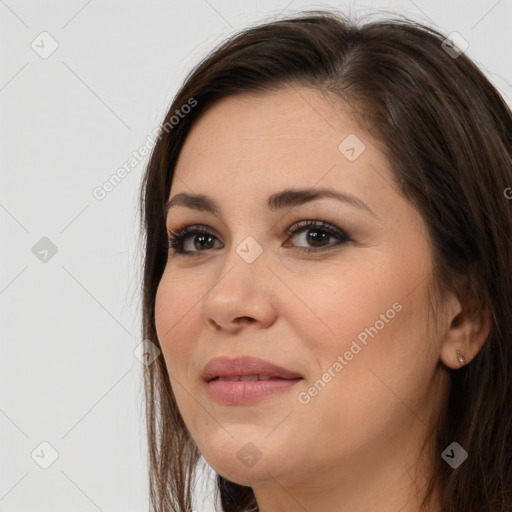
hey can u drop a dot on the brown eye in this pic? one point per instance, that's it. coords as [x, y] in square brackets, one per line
[316, 234]
[191, 240]
[202, 241]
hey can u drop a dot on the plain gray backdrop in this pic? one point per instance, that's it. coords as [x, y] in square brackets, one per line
[82, 85]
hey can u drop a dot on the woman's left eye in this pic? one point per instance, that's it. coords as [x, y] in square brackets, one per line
[317, 233]
[313, 232]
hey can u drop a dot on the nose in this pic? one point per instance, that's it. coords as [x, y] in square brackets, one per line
[240, 295]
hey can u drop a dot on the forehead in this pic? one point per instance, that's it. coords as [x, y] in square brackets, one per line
[291, 137]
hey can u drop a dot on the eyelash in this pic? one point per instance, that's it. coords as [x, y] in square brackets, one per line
[177, 238]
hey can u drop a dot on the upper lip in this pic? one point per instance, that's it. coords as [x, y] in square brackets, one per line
[244, 365]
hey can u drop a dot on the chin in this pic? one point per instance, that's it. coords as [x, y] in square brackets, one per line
[259, 475]
[243, 462]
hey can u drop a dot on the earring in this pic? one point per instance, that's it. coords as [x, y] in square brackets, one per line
[461, 358]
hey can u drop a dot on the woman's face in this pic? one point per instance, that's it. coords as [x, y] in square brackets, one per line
[348, 317]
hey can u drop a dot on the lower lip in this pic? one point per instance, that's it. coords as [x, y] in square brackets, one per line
[246, 392]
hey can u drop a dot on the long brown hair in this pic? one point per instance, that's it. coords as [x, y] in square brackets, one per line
[447, 134]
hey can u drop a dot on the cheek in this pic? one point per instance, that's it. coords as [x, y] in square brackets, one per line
[372, 321]
[361, 397]
[176, 324]
[335, 306]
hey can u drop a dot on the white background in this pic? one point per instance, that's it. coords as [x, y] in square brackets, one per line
[68, 375]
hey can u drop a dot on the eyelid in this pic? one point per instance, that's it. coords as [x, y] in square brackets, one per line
[321, 225]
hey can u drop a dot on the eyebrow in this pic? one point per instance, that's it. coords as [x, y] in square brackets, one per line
[277, 201]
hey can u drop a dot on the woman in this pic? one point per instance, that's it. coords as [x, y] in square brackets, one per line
[327, 274]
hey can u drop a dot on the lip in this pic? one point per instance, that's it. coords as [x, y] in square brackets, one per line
[245, 365]
[235, 392]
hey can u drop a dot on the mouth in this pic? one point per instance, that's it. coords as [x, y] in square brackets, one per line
[246, 378]
[246, 368]
[247, 389]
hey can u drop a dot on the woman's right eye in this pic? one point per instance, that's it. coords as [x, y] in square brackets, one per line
[191, 240]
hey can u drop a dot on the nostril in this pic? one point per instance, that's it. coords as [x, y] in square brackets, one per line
[213, 323]
[241, 319]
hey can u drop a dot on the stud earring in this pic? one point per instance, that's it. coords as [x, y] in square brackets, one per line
[461, 358]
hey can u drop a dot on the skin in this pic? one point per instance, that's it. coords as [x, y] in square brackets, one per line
[355, 445]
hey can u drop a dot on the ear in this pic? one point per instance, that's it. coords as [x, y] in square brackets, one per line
[467, 327]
